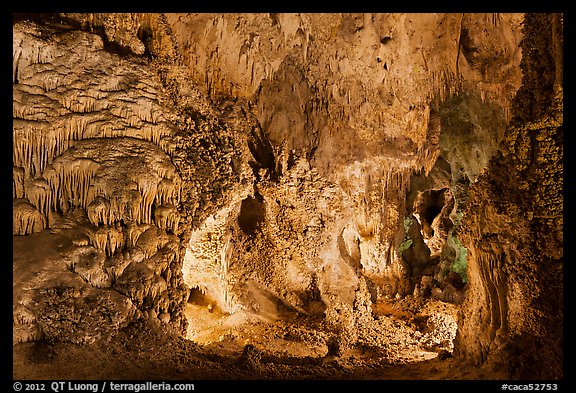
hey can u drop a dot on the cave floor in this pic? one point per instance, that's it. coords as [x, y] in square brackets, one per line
[176, 359]
[256, 350]
[238, 346]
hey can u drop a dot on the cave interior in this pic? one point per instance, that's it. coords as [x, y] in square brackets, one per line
[287, 196]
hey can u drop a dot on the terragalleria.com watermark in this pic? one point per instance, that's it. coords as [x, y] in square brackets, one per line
[101, 387]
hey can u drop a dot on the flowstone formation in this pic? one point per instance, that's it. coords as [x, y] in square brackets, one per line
[98, 178]
[315, 181]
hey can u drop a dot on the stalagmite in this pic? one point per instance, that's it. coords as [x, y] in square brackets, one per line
[23, 315]
[26, 332]
[25, 327]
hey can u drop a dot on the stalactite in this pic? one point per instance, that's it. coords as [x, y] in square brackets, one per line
[51, 80]
[168, 192]
[163, 304]
[444, 84]
[40, 54]
[84, 104]
[112, 84]
[99, 238]
[17, 183]
[173, 246]
[115, 241]
[40, 195]
[507, 112]
[22, 150]
[16, 55]
[169, 146]
[26, 219]
[148, 191]
[36, 144]
[157, 263]
[125, 205]
[23, 56]
[144, 111]
[134, 231]
[121, 183]
[71, 182]
[38, 153]
[99, 211]
[75, 130]
[167, 217]
[496, 19]
[33, 112]
[157, 286]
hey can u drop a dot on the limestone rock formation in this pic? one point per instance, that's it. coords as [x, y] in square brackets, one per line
[513, 225]
[90, 165]
[348, 171]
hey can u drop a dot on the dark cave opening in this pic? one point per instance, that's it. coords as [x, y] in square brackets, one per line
[197, 296]
[252, 214]
[431, 205]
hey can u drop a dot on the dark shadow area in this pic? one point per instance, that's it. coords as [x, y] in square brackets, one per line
[252, 215]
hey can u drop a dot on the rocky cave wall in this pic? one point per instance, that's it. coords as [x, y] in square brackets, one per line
[387, 82]
[307, 157]
[513, 224]
[109, 171]
[406, 88]
[91, 160]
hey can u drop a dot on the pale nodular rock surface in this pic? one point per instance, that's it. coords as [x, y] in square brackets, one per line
[274, 165]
